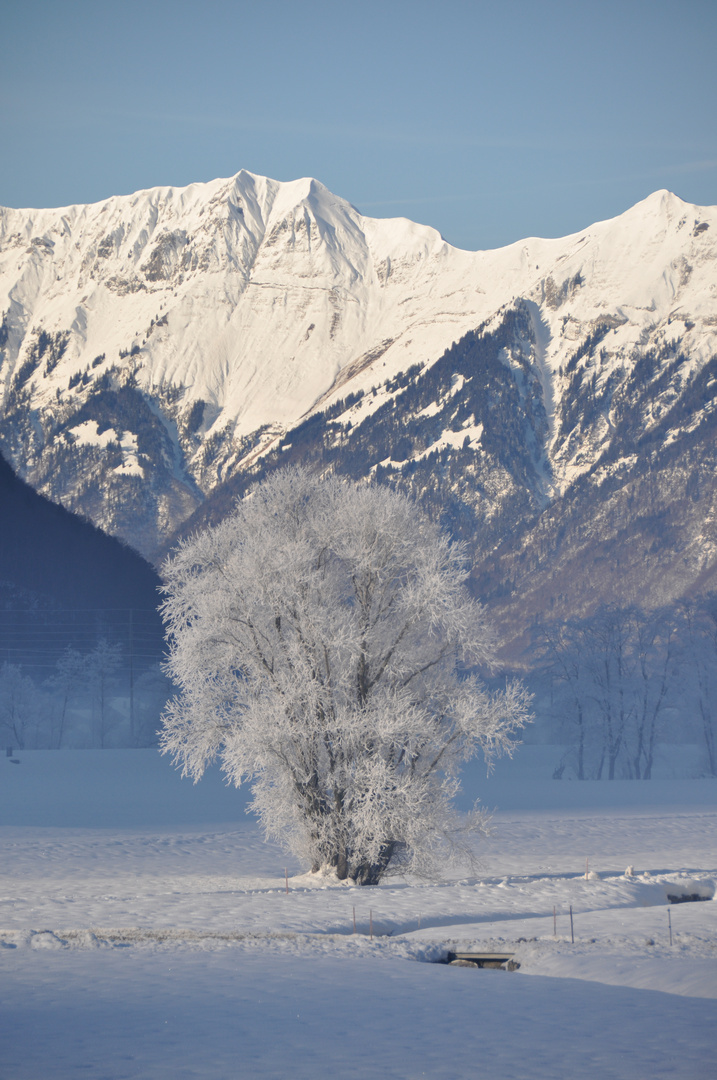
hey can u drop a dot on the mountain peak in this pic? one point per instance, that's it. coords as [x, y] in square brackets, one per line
[666, 205]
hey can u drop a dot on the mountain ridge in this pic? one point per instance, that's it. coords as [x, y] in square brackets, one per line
[162, 347]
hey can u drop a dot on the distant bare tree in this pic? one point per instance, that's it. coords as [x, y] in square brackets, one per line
[606, 641]
[102, 665]
[700, 618]
[654, 644]
[20, 706]
[614, 672]
[66, 682]
[565, 666]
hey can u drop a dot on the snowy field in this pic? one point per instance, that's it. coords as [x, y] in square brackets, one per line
[146, 931]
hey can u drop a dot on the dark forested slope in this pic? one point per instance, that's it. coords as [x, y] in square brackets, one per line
[50, 557]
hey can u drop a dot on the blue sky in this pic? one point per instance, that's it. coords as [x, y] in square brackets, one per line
[489, 121]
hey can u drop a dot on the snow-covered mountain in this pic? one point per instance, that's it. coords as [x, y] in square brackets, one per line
[157, 346]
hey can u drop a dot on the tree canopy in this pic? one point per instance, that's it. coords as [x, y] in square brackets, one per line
[322, 639]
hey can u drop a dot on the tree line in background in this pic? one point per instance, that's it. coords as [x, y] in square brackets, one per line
[615, 685]
[612, 688]
[86, 702]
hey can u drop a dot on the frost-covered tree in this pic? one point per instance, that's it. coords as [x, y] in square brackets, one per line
[101, 667]
[66, 681]
[700, 635]
[564, 664]
[22, 707]
[607, 642]
[655, 643]
[320, 637]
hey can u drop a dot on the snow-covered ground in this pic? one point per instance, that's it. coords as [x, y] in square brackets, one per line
[146, 931]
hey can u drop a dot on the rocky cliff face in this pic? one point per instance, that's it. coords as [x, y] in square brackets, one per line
[553, 400]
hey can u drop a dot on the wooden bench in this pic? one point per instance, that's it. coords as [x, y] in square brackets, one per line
[504, 961]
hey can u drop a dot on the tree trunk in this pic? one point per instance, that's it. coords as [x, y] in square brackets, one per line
[371, 873]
